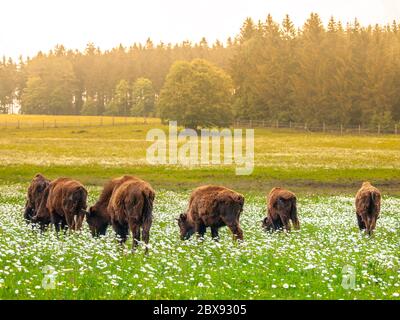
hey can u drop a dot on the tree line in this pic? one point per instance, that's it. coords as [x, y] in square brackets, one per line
[315, 74]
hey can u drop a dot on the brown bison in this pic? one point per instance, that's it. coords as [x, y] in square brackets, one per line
[214, 207]
[35, 193]
[131, 207]
[368, 206]
[281, 209]
[63, 204]
[98, 217]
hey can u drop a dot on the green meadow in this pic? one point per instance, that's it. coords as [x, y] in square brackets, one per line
[324, 171]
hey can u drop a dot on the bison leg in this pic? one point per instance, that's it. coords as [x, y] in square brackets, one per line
[236, 230]
[214, 233]
[79, 221]
[146, 232]
[56, 221]
[70, 219]
[296, 223]
[199, 229]
[286, 223]
[121, 230]
[361, 223]
[135, 229]
[277, 224]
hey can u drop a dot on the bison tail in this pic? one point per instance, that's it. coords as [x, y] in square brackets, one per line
[374, 198]
[79, 198]
[147, 214]
[293, 215]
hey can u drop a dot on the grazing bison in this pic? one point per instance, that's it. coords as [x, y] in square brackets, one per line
[64, 204]
[35, 193]
[131, 207]
[281, 209]
[368, 206]
[214, 207]
[98, 217]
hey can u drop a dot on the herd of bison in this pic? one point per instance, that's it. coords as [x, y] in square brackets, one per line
[126, 203]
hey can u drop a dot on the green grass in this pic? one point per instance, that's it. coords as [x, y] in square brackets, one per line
[324, 171]
[307, 162]
[307, 264]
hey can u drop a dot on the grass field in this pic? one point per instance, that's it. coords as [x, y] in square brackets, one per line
[302, 265]
[324, 171]
[306, 162]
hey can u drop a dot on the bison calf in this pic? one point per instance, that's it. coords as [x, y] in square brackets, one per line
[64, 203]
[35, 193]
[281, 209]
[131, 207]
[98, 217]
[214, 207]
[368, 206]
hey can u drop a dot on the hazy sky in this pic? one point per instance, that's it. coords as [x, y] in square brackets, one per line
[27, 26]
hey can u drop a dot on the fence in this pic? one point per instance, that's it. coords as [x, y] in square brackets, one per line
[335, 129]
[20, 122]
[33, 121]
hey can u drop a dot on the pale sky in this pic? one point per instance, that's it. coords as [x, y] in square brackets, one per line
[27, 26]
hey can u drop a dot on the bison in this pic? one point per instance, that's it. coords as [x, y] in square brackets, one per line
[368, 206]
[35, 193]
[98, 217]
[281, 209]
[131, 207]
[214, 207]
[63, 204]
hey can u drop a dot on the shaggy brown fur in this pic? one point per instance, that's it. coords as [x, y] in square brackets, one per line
[214, 207]
[35, 192]
[98, 217]
[65, 204]
[368, 206]
[131, 206]
[281, 209]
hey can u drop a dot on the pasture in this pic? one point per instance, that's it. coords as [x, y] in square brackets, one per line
[324, 171]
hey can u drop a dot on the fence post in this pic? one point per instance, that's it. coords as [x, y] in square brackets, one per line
[359, 129]
[305, 126]
[277, 123]
[290, 124]
[341, 128]
[379, 128]
[395, 129]
[263, 123]
[323, 127]
[251, 123]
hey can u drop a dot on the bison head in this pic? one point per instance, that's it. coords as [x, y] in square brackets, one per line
[186, 228]
[97, 221]
[29, 212]
[267, 224]
[42, 220]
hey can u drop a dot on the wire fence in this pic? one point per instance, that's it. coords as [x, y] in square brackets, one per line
[325, 128]
[21, 122]
[37, 121]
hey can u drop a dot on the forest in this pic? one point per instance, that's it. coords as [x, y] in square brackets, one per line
[333, 73]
